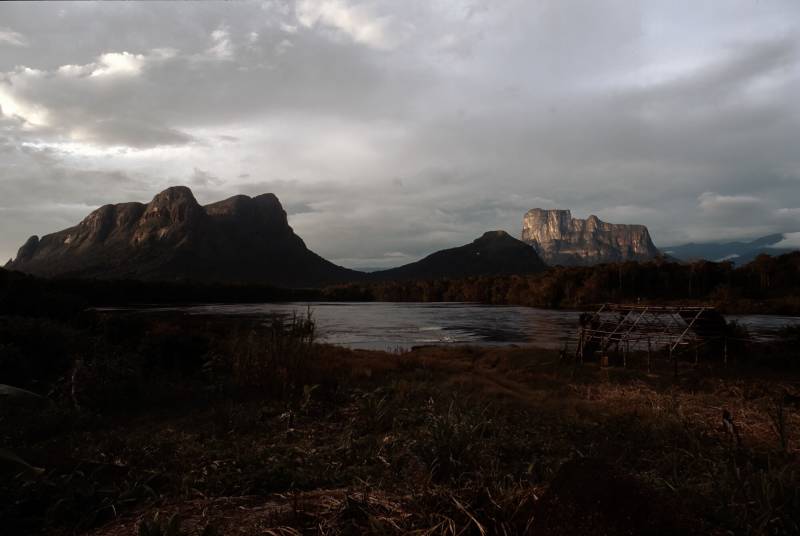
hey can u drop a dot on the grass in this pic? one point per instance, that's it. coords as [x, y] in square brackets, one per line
[252, 429]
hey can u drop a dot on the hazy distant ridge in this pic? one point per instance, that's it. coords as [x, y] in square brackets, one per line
[738, 252]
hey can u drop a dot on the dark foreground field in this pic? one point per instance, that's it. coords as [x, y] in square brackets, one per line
[177, 426]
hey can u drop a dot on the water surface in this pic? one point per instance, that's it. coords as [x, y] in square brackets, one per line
[400, 325]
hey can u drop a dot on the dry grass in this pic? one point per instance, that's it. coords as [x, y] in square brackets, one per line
[434, 441]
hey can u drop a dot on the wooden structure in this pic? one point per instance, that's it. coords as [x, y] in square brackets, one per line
[627, 327]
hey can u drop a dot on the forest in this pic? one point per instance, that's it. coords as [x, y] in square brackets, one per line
[766, 285]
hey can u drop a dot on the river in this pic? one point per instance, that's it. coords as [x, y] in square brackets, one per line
[401, 325]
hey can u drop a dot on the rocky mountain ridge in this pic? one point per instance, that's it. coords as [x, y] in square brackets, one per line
[246, 239]
[240, 239]
[559, 238]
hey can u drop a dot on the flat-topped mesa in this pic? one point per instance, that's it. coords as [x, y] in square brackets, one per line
[561, 239]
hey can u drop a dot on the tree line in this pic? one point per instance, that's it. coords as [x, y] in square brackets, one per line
[767, 284]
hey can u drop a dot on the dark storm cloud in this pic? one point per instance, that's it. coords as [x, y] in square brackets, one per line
[391, 129]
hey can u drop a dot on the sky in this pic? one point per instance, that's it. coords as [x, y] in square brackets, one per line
[390, 129]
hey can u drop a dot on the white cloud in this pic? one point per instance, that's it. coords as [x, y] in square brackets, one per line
[12, 105]
[222, 47]
[288, 28]
[76, 71]
[728, 257]
[790, 241]
[712, 202]
[10, 37]
[116, 64]
[119, 64]
[57, 103]
[357, 22]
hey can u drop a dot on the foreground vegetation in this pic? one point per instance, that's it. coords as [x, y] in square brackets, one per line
[168, 425]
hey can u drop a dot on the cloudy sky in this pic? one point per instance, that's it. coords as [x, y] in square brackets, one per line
[391, 129]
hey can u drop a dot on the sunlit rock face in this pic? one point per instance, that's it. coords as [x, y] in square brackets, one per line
[559, 238]
[173, 237]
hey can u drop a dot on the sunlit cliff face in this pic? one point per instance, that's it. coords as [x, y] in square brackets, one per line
[561, 239]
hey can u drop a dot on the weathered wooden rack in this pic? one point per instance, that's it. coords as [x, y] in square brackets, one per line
[628, 328]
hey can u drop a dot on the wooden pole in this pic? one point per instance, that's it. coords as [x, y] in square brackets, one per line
[625, 356]
[674, 361]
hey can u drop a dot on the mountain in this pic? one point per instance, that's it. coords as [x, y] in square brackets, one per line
[242, 239]
[559, 238]
[494, 253]
[736, 252]
[239, 240]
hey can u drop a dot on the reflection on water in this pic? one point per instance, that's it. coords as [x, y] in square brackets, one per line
[388, 326]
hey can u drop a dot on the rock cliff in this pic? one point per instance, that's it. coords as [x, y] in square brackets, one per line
[241, 239]
[559, 238]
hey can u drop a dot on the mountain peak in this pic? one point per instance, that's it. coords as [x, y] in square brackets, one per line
[494, 235]
[268, 198]
[263, 212]
[174, 196]
[172, 214]
[493, 253]
[177, 201]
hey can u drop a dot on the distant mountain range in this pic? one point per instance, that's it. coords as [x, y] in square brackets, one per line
[735, 252]
[239, 240]
[248, 240]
